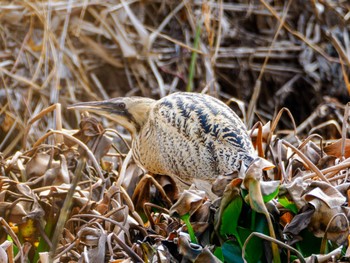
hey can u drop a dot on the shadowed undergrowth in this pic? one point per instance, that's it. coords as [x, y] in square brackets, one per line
[78, 194]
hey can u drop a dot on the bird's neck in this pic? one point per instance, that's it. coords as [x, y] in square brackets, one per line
[138, 117]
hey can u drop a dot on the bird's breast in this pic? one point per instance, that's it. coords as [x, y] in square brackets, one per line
[190, 137]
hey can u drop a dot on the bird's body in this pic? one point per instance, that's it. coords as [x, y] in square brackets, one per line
[188, 135]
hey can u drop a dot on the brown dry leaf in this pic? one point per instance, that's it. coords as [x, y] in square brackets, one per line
[92, 134]
[328, 203]
[163, 254]
[347, 253]
[56, 175]
[324, 192]
[326, 161]
[145, 250]
[104, 204]
[332, 222]
[187, 249]
[334, 149]
[169, 185]
[295, 190]
[322, 208]
[25, 190]
[6, 122]
[207, 256]
[162, 223]
[207, 14]
[39, 164]
[312, 152]
[260, 136]
[255, 170]
[145, 191]
[221, 182]
[202, 231]
[80, 197]
[142, 193]
[300, 221]
[131, 178]
[95, 239]
[188, 203]
[14, 212]
[286, 218]
[202, 214]
[36, 211]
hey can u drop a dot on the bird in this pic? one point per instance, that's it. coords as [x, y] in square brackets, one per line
[186, 135]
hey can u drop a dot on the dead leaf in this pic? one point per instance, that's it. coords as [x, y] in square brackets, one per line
[92, 134]
[148, 190]
[39, 164]
[324, 192]
[188, 250]
[334, 149]
[207, 256]
[188, 203]
[300, 221]
[221, 182]
[95, 239]
[259, 137]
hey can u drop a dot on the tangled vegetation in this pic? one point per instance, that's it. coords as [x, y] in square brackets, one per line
[70, 190]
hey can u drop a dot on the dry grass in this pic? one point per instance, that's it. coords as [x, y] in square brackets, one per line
[64, 51]
[269, 55]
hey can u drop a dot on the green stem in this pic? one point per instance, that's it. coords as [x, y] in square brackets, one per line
[192, 70]
[186, 219]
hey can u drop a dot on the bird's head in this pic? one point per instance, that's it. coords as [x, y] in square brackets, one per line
[130, 112]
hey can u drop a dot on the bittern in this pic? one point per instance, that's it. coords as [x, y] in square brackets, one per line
[188, 135]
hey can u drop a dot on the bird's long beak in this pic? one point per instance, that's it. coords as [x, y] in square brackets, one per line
[93, 106]
[110, 110]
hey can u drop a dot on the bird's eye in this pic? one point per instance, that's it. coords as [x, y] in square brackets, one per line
[121, 106]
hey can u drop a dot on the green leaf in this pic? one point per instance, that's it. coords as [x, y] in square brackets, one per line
[256, 202]
[309, 244]
[218, 253]
[261, 225]
[230, 216]
[232, 252]
[284, 201]
[254, 248]
[244, 193]
[269, 190]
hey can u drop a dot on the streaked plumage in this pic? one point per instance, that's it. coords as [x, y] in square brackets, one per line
[188, 135]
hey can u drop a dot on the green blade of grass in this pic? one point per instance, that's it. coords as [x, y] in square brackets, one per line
[192, 69]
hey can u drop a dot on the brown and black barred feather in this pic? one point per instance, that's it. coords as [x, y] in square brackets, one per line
[188, 135]
[193, 136]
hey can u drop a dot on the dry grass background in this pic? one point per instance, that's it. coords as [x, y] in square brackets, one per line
[291, 53]
[264, 54]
